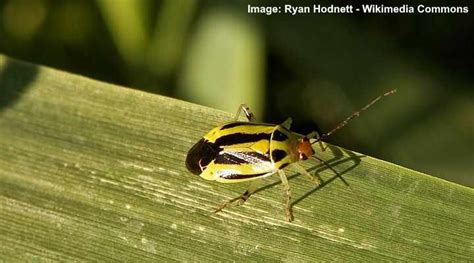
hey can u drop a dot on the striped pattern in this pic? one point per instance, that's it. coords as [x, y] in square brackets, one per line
[242, 151]
[243, 123]
[243, 176]
[239, 138]
[241, 157]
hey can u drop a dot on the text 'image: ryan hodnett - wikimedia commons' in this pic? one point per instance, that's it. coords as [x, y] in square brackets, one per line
[356, 9]
[236, 131]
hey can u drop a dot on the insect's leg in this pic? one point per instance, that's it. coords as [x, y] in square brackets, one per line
[303, 171]
[321, 145]
[286, 187]
[357, 113]
[248, 113]
[316, 136]
[242, 198]
[287, 123]
[330, 168]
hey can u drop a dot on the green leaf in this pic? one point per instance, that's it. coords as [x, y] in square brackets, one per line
[223, 70]
[93, 171]
[126, 23]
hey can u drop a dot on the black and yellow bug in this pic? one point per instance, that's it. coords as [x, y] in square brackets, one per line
[242, 151]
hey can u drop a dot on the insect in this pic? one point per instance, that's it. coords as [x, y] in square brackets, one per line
[246, 151]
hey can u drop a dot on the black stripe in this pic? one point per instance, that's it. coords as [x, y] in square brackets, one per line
[283, 165]
[243, 123]
[279, 136]
[237, 138]
[278, 155]
[259, 156]
[242, 176]
[241, 158]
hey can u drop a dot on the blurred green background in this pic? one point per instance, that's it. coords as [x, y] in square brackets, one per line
[317, 69]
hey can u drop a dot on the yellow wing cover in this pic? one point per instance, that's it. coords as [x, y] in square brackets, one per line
[241, 151]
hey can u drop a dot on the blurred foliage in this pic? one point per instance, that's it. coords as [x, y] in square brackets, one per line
[229, 73]
[215, 54]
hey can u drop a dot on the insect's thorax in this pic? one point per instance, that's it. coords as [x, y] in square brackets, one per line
[283, 147]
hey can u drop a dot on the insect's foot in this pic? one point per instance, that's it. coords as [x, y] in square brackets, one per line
[289, 214]
[323, 146]
[239, 201]
[317, 182]
[220, 208]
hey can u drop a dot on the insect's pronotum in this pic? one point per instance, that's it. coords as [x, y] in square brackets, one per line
[245, 151]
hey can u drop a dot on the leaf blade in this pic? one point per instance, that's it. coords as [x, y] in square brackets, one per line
[94, 171]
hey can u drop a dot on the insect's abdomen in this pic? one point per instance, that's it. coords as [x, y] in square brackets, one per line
[200, 155]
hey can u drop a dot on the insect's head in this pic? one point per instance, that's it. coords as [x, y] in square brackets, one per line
[304, 148]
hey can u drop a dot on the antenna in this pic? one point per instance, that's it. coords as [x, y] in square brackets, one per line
[354, 115]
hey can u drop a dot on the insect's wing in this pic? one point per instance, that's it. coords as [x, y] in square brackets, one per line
[239, 164]
[241, 157]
